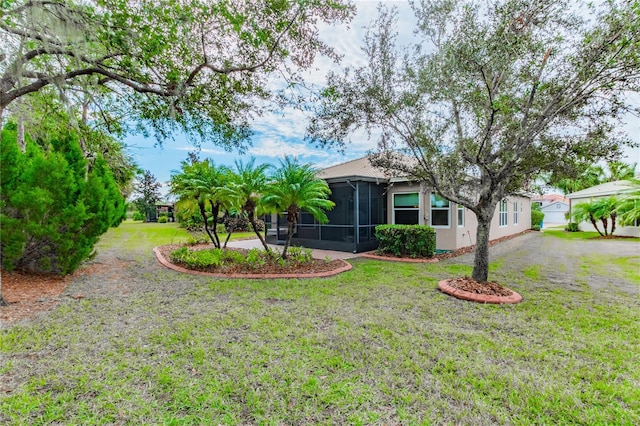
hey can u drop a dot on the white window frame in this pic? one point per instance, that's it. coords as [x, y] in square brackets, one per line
[460, 216]
[515, 212]
[504, 214]
[431, 209]
[394, 208]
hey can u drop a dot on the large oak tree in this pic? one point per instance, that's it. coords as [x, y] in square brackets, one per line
[202, 65]
[494, 94]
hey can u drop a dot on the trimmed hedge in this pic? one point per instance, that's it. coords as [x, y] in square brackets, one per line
[406, 240]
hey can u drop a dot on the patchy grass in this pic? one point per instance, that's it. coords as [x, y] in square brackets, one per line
[131, 235]
[375, 345]
[561, 233]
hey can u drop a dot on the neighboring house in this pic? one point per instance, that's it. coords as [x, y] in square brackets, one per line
[541, 200]
[366, 197]
[162, 208]
[555, 212]
[618, 188]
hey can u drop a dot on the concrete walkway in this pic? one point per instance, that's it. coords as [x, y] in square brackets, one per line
[316, 253]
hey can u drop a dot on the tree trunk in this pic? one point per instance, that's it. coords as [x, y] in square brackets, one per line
[481, 259]
[206, 223]
[613, 223]
[20, 132]
[215, 209]
[291, 226]
[595, 224]
[252, 220]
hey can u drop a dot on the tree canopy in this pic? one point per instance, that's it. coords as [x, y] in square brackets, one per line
[494, 94]
[201, 65]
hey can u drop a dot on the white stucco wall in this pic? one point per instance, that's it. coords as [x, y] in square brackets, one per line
[453, 237]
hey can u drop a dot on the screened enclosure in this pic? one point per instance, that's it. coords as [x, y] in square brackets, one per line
[360, 207]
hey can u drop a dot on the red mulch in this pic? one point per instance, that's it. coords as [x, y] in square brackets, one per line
[27, 294]
[270, 267]
[491, 288]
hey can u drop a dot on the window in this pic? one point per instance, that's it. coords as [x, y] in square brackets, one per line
[504, 213]
[439, 211]
[406, 208]
[515, 212]
[460, 215]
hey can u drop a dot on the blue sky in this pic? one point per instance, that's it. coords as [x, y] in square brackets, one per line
[277, 135]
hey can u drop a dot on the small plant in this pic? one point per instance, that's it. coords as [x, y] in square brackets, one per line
[256, 258]
[572, 227]
[300, 254]
[163, 219]
[137, 216]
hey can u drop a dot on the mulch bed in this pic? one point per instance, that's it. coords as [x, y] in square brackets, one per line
[271, 266]
[473, 286]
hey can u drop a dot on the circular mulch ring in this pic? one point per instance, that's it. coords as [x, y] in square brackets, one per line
[509, 296]
[344, 266]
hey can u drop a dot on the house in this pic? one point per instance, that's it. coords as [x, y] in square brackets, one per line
[554, 213]
[618, 188]
[366, 197]
[161, 208]
[554, 207]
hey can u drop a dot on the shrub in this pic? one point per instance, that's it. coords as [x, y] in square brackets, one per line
[536, 217]
[572, 227]
[241, 224]
[53, 209]
[137, 216]
[163, 219]
[406, 240]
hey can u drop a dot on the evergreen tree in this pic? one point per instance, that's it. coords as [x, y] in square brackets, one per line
[148, 188]
[52, 210]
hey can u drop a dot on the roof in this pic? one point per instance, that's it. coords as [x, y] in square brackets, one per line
[550, 198]
[355, 169]
[549, 205]
[603, 190]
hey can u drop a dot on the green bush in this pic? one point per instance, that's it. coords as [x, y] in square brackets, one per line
[53, 206]
[163, 219]
[406, 240]
[536, 216]
[572, 227]
[241, 224]
[137, 215]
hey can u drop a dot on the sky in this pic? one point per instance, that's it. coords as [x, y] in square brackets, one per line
[280, 134]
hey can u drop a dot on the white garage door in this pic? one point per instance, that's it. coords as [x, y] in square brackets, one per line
[554, 217]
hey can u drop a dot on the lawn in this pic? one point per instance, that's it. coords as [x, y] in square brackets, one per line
[375, 345]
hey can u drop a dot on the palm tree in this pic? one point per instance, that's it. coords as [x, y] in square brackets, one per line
[619, 170]
[201, 183]
[249, 184]
[296, 187]
[585, 211]
[603, 210]
[629, 207]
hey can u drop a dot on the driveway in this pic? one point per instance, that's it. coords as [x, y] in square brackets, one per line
[560, 259]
